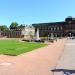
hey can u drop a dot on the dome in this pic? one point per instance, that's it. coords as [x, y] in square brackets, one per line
[69, 18]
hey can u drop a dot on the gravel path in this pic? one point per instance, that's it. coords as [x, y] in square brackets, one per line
[37, 62]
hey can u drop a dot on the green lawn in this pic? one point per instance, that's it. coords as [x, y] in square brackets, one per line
[14, 47]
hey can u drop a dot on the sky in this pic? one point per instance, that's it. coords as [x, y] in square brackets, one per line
[35, 11]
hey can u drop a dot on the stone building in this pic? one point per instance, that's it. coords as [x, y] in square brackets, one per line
[29, 32]
[58, 29]
[24, 32]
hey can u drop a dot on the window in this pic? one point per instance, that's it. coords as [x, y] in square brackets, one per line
[61, 28]
[57, 28]
[51, 28]
[54, 28]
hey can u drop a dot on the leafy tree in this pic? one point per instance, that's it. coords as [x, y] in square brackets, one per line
[14, 25]
[3, 27]
[22, 26]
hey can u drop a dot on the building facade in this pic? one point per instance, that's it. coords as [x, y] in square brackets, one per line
[58, 29]
[24, 32]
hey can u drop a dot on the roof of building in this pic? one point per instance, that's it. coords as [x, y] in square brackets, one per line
[49, 23]
[69, 19]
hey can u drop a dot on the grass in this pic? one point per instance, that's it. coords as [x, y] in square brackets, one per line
[15, 47]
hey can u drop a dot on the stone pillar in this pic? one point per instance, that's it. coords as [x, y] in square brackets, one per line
[37, 34]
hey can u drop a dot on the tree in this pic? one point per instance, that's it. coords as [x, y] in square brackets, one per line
[3, 27]
[14, 25]
[22, 26]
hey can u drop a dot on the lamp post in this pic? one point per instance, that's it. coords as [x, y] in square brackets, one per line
[70, 34]
[71, 29]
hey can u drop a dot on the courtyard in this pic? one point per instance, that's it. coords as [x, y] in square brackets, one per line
[36, 62]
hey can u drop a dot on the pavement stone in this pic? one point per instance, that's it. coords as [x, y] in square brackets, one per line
[67, 60]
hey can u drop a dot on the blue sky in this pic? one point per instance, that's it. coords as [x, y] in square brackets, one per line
[35, 11]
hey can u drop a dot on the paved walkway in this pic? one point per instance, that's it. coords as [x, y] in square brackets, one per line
[67, 61]
[36, 62]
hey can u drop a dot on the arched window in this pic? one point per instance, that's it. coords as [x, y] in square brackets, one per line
[57, 28]
[54, 28]
[61, 28]
[51, 28]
